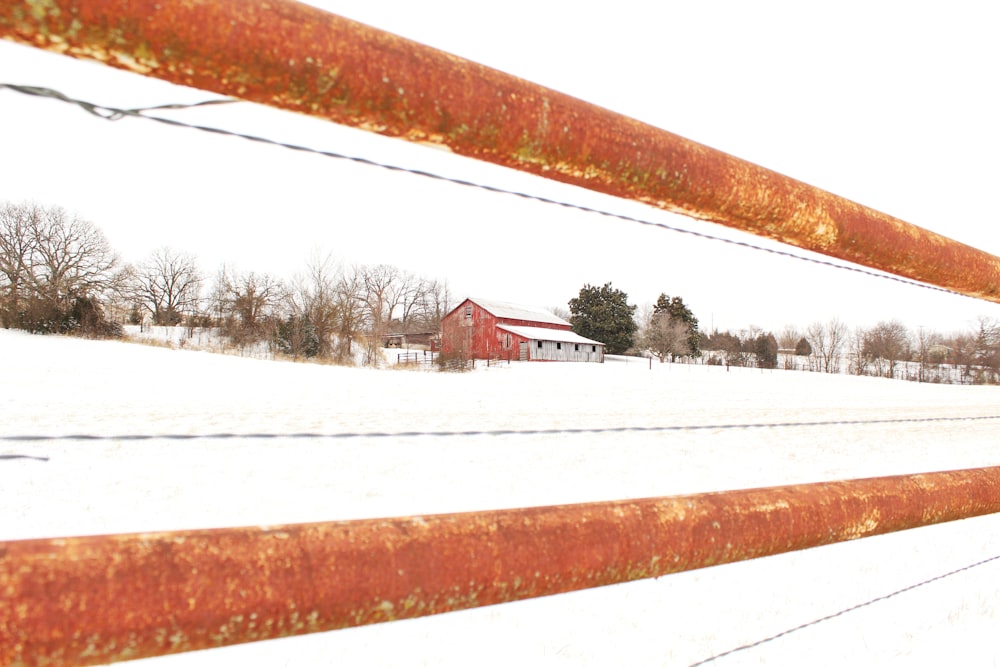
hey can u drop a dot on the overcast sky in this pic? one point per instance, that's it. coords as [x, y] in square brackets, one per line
[891, 104]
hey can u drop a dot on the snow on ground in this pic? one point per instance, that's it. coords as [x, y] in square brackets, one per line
[139, 438]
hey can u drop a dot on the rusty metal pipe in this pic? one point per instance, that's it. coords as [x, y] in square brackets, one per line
[94, 600]
[299, 58]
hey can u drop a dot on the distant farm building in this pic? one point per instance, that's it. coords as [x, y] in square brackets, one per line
[423, 339]
[486, 329]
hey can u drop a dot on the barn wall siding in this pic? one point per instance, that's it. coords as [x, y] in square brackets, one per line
[547, 350]
[474, 328]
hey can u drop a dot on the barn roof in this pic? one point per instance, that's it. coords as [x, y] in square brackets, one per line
[513, 311]
[543, 333]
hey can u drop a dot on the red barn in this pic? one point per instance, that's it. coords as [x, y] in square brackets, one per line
[486, 329]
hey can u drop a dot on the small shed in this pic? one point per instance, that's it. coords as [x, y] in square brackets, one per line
[423, 339]
[488, 329]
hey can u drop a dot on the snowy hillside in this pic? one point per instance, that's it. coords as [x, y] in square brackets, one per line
[99, 437]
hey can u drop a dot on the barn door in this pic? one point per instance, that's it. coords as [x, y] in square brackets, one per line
[522, 353]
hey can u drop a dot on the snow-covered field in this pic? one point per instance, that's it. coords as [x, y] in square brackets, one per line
[99, 437]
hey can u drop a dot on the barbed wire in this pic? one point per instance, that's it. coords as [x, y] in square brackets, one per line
[494, 432]
[842, 612]
[114, 114]
[106, 112]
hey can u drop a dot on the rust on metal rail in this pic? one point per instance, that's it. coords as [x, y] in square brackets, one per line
[299, 58]
[94, 600]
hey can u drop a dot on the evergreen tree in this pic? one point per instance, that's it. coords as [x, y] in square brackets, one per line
[604, 314]
[729, 344]
[803, 348]
[766, 350]
[724, 341]
[678, 312]
[296, 336]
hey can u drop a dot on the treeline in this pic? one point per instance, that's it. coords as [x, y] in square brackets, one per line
[58, 274]
[668, 330]
[887, 349]
[329, 311]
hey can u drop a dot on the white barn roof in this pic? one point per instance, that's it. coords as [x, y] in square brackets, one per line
[542, 333]
[513, 311]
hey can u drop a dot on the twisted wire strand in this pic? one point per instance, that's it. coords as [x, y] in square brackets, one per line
[113, 113]
[842, 612]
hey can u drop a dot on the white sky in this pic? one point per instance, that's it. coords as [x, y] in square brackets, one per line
[891, 104]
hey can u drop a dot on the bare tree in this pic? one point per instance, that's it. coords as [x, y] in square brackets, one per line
[563, 311]
[381, 284]
[16, 254]
[827, 342]
[71, 256]
[118, 299]
[218, 296]
[441, 302]
[925, 340]
[315, 304]
[52, 262]
[665, 336]
[249, 304]
[407, 301]
[986, 337]
[322, 302]
[643, 316]
[789, 337]
[349, 298]
[963, 353]
[885, 345]
[858, 361]
[167, 284]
